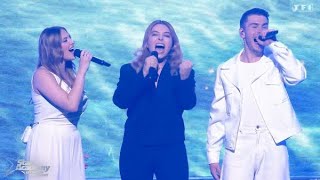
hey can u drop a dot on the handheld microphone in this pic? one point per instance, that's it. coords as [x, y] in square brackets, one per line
[270, 35]
[155, 54]
[77, 53]
[153, 72]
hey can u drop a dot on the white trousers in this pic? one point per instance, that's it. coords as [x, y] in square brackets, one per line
[256, 157]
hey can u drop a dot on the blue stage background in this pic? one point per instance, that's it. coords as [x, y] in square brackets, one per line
[112, 30]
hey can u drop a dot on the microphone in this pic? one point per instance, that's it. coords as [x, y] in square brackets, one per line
[153, 72]
[94, 59]
[155, 54]
[269, 35]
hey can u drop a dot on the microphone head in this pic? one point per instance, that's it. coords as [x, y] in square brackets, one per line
[77, 52]
[270, 35]
[155, 54]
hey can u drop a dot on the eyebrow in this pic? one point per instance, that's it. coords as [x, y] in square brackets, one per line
[66, 37]
[159, 32]
[256, 24]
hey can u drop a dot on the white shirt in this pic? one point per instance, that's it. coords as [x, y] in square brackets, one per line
[251, 115]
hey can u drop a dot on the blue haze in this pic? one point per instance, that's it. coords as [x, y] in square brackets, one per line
[113, 30]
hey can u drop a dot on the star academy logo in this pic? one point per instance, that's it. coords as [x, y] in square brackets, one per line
[27, 167]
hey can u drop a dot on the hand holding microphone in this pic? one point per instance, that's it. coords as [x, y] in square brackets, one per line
[268, 38]
[85, 59]
[150, 66]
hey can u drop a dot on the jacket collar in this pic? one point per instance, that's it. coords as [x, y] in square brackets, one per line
[230, 69]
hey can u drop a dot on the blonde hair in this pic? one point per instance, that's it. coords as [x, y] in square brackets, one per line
[51, 54]
[174, 56]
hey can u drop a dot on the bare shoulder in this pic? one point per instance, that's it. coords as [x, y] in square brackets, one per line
[42, 73]
[43, 76]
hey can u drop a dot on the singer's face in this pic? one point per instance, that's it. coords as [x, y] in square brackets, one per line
[255, 26]
[160, 40]
[67, 45]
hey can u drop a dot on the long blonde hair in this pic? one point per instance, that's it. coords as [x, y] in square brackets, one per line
[51, 53]
[174, 56]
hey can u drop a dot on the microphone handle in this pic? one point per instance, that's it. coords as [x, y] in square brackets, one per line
[153, 74]
[99, 61]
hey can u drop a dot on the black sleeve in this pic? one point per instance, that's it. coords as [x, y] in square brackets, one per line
[130, 86]
[185, 92]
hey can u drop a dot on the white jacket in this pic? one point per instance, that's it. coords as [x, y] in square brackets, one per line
[280, 68]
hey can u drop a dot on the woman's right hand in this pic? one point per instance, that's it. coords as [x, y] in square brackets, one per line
[85, 59]
[150, 61]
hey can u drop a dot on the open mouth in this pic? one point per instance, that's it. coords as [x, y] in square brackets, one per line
[159, 46]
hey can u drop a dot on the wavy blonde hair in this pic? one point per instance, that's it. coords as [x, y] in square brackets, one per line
[174, 57]
[51, 53]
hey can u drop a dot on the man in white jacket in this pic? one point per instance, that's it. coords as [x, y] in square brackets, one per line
[251, 114]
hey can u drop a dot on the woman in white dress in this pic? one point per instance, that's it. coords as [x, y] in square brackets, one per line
[54, 150]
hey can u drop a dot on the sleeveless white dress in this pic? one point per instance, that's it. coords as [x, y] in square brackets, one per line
[54, 149]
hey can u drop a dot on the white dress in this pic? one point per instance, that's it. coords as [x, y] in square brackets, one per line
[54, 148]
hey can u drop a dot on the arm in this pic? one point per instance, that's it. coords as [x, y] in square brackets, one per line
[185, 86]
[292, 70]
[185, 92]
[45, 84]
[216, 130]
[130, 86]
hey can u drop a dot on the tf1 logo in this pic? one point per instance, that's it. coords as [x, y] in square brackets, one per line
[302, 6]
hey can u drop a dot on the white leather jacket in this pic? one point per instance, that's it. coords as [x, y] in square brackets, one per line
[280, 69]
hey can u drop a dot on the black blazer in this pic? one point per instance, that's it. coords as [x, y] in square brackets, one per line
[154, 113]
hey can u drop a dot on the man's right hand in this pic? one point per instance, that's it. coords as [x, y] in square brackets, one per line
[215, 170]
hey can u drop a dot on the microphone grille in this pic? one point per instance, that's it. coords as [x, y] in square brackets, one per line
[154, 53]
[77, 52]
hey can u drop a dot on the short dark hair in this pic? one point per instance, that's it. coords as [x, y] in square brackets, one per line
[253, 11]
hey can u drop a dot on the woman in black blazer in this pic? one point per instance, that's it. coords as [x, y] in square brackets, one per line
[155, 89]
